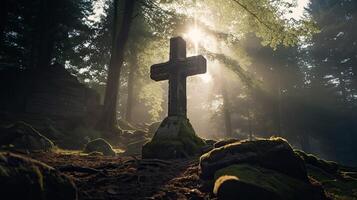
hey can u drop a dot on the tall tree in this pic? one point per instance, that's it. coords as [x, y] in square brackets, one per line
[131, 81]
[123, 16]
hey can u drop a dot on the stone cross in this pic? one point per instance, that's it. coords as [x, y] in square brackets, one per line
[176, 70]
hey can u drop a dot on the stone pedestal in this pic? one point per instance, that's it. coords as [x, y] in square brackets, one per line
[175, 138]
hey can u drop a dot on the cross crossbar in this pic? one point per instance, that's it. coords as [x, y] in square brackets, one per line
[176, 70]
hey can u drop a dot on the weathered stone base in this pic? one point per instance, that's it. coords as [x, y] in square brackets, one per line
[175, 138]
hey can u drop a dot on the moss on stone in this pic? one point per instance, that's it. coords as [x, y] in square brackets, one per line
[185, 143]
[273, 153]
[99, 145]
[265, 184]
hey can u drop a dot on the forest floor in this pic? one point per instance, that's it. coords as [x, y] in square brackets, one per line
[105, 177]
[130, 177]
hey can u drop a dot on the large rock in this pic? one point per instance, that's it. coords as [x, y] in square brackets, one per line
[24, 178]
[22, 136]
[275, 154]
[99, 145]
[251, 182]
[175, 138]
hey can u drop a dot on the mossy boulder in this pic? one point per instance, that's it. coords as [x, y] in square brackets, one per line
[175, 138]
[22, 136]
[25, 178]
[250, 182]
[275, 154]
[99, 145]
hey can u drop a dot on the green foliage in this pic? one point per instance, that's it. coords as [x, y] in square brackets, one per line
[21, 37]
[151, 96]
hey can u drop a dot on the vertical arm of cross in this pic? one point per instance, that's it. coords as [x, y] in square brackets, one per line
[176, 70]
[177, 81]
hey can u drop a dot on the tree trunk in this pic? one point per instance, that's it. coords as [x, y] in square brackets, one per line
[226, 110]
[130, 99]
[122, 22]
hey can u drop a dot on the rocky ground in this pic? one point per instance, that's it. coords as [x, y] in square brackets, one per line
[116, 177]
[229, 169]
[119, 177]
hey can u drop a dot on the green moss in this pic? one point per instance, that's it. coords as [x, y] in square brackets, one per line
[185, 144]
[274, 153]
[281, 185]
[100, 145]
[246, 146]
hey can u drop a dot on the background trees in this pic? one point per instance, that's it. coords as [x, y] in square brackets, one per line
[268, 73]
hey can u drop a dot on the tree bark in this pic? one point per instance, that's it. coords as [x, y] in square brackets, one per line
[130, 99]
[122, 22]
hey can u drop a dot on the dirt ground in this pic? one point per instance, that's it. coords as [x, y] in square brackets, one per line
[104, 177]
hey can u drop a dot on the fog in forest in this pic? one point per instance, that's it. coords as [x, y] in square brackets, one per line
[168, 97]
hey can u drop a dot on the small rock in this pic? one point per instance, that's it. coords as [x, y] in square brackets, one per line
[25, 178]
[99, 145]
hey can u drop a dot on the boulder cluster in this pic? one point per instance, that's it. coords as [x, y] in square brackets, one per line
[261, 169]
